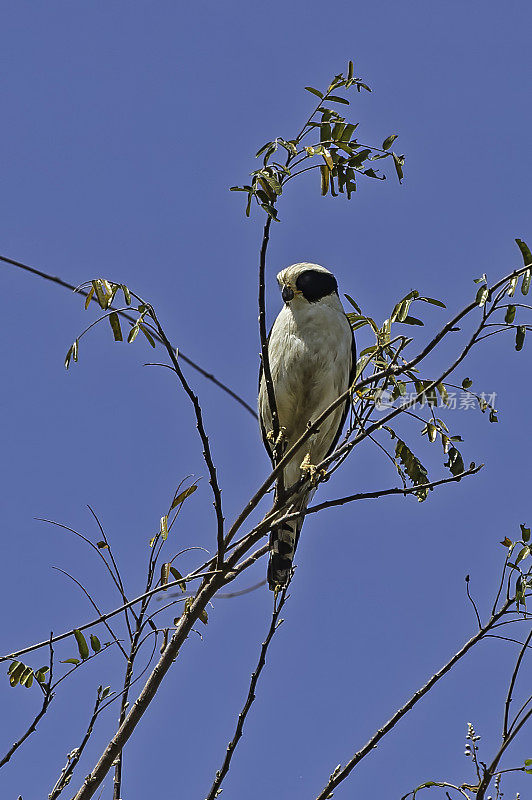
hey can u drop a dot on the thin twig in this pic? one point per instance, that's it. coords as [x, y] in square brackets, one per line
[103, 617]
[506, 728]
[387, 492]
[208, 375]
[119, 582]
[94, 605]
[75, 755]
[265, 358]
[342, 774]
[207, 456]
[48, 696]
[473, 602]
[274, 625]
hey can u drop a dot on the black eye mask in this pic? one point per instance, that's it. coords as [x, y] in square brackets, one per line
[314, 284]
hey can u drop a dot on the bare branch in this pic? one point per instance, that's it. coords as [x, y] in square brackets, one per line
[386, 492]
[75, 755]
[274, 625]
[342, 774]
[48, 696]
[93, 603]
[208, 375]
[103, 617]
[506, 727]
[213, 480]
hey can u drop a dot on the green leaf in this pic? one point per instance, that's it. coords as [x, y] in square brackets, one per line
[83, 647]
[348, 132]
[26, 679]
[270, 210]
[314, 91]
[115, 326]
[68, 356]
[520, 337]
[273, 183]
[182, 496]
[360, 157]
[513, 285]
[15, 671]
[147, 334]
[481, 296]
[89, 298]
[327, 157]
[372, 174]
[165, 570]
[95, 643]
[443, 393]
[127, 295]
[204, 616]
[335, 99]
[522, 554]
[525, 252]
[102, 545]
[101, 295]
[353, 303]
[525, 286]
[455, 462]
[510, 315]
[75, 661]
[325, 175]
[105, 692]
[178, 577]
[466, 383]
[164, 527]
[40, 674]
[257, 154]
[413, 468]
[398, 163]
[525, 533]
[387, 143]
[433, 301]
[133, 333]
[411, 321]
[248, 204]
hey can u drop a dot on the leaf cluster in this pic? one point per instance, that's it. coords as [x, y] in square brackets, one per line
[341, 157]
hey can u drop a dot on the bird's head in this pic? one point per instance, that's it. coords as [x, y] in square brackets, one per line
[306, 283]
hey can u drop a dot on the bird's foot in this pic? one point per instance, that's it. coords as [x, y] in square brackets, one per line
[311, 472]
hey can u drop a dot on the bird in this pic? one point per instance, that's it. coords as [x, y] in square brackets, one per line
[312, 360]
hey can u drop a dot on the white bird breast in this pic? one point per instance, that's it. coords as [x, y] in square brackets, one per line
[310, 361]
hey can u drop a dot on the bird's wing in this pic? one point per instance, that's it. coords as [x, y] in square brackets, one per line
[352, 373]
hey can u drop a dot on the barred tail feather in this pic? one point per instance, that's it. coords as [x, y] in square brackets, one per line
[283, 544]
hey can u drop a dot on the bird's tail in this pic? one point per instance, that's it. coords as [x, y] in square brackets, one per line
[283, 543]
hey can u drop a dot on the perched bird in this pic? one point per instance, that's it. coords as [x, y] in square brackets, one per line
[312, 360]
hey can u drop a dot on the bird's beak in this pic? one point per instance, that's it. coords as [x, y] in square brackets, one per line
[287, 294]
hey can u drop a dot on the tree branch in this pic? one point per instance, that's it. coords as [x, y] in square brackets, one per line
[342, 774]
[386, 492]
[75, 755]
[274, 625]
[48, 696]
[104, 617]
[209, 376]
[207, 456]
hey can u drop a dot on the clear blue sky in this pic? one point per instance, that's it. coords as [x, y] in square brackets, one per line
[123, 125]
